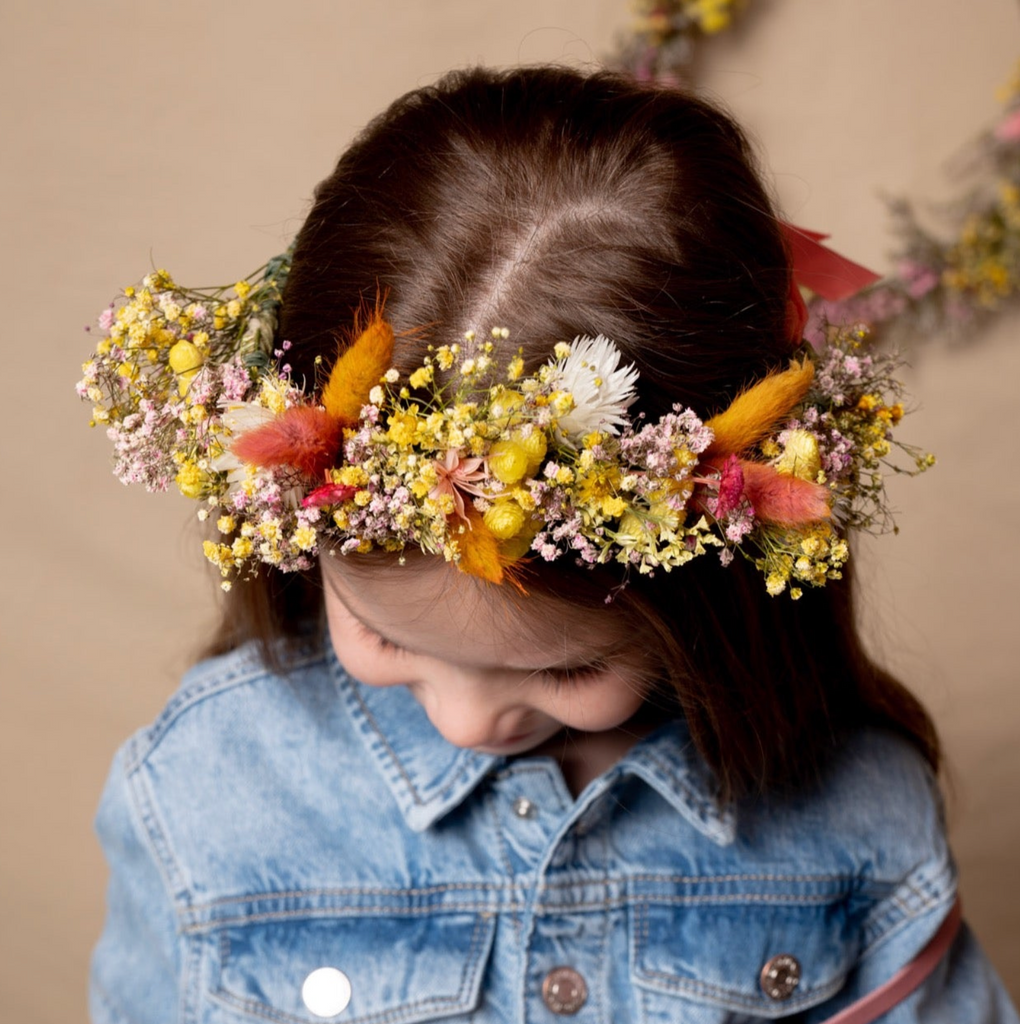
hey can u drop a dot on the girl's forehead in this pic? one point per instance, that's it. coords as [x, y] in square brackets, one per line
[430, 607]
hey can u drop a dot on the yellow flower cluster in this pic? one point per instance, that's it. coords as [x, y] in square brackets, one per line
[663, 20]
[794, 558]
[711, 16]
[984, 264]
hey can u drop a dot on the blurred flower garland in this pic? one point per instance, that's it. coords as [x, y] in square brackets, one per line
[947, 286]
[660, 46]
[940, 284]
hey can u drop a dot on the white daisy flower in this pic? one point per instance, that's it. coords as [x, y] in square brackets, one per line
[238, 418]
[602, 389]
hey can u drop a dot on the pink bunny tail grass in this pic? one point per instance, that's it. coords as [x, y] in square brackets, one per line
[781, 499]
[307, 439]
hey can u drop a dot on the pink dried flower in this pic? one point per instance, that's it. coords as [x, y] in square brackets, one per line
[457, 477]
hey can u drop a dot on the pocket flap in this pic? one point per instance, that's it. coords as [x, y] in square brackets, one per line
[410, 968]
[716, 953]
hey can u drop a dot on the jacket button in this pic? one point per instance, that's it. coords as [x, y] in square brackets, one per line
[326, 992]
[524, 808]
[564, 990]
[780, 976]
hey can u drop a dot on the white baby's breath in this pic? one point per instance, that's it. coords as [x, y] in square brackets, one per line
[602, 389]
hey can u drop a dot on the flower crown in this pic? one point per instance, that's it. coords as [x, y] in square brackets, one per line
[476, 460]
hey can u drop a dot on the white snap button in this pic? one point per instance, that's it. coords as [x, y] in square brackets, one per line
[524, 808]
[326, 992]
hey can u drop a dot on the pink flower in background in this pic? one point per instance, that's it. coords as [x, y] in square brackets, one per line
[918, 278]
[1008, 130]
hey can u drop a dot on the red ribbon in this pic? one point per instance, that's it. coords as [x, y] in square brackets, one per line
[823, 271]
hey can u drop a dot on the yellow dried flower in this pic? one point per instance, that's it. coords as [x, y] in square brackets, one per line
[242, 548]
[422, 376]
[508, 461]
[775, 583]
[801, 457]
[504, 518]
[304, 538]
[402, 426]
[533, 441]
[190, 480]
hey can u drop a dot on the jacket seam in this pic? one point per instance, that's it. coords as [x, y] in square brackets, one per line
[208, 684]
[490, 909]
[149, 825]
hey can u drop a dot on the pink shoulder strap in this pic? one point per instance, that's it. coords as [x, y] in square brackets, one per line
[905, 980]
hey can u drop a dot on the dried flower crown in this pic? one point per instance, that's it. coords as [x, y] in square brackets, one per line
[482, 466]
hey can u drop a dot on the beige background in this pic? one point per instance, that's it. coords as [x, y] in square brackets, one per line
[194, 132]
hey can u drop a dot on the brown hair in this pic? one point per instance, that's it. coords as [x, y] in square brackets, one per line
[560, 204]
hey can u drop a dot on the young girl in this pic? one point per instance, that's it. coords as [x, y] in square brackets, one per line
[538, 691]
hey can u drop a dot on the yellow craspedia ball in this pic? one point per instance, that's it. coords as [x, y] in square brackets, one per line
[184, 357]
[508, 461]
[535, 446]
[801, 457]
[504, 519]
[506, 402]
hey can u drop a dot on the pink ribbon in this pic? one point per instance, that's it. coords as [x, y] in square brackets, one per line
[907, 979]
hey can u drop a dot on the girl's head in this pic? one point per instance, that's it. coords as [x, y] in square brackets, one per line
[558, 204]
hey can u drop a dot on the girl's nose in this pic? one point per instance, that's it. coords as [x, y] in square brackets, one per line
[467, 713]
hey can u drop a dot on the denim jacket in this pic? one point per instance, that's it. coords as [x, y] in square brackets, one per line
[264, 828]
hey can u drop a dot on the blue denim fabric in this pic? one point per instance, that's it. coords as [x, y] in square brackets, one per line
[262, 828]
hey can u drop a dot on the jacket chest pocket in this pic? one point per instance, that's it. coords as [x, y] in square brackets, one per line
[353, 970]
[730, 962]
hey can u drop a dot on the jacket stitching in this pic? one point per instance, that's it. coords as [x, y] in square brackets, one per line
[394, 1015]
[208, 684]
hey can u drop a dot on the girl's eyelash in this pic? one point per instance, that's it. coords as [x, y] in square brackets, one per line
[557, 678]
[380, 641]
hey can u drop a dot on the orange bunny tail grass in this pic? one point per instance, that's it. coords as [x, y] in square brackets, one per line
[303, 437]
[359, 368]
[754, 412]
[781, 499]
[479, 549]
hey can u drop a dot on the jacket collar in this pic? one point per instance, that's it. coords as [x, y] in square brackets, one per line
[429, 777]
